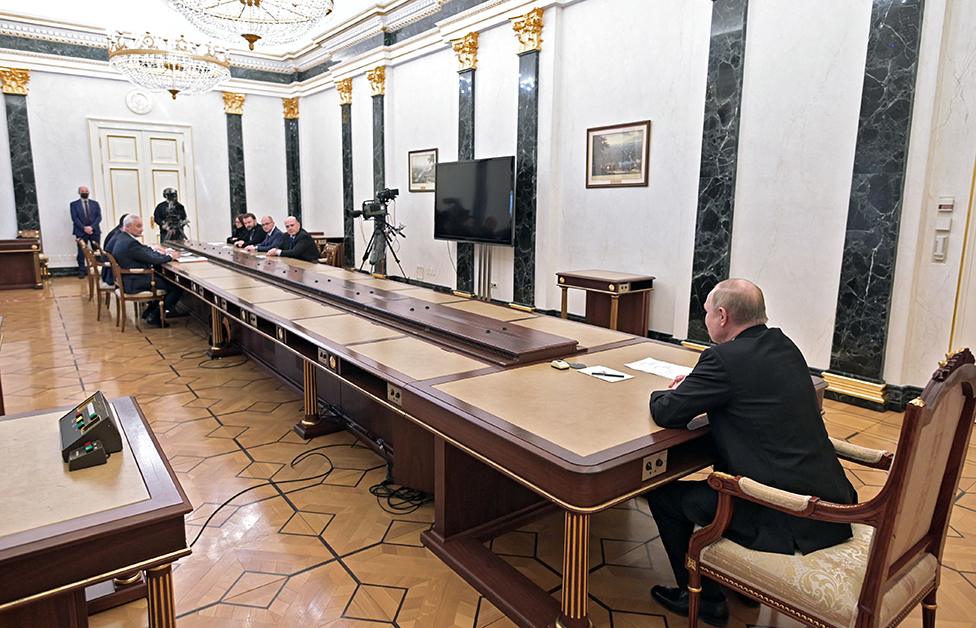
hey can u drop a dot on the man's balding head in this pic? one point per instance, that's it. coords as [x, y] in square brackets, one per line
[732, 306]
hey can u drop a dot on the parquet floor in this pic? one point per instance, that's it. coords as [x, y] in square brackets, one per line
[323, 552]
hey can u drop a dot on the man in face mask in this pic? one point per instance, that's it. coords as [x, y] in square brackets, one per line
[86, 220]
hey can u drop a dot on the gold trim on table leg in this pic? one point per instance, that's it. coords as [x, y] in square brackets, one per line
[614, 310]
[124, 581]
[564, 308]
[311, 396]
[576, 550]
[219, 345]
[159, 594]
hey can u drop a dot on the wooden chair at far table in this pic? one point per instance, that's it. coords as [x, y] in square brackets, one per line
[136, 298]
[95, 263]
[892, 562]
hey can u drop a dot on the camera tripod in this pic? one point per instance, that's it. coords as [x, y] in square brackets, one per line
[382, 240]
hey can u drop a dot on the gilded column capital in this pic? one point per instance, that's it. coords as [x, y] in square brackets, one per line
[234, 103]
[466, 49]
[14, 80]
[528, 30]
[377, 80]
[290, 107]
[344, 87]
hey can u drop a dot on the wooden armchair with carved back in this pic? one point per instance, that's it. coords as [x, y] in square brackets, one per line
[136, 298]
[892, 562]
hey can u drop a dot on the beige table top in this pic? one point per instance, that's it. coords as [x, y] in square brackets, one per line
[297, 309]
[586, 335]
[383, 284]
[39, 489]
[426, 294]
[490, 310]
[235, 281]
[205, 269]
[347, 329]
[418, 359]
[263, 294]
[579, 413]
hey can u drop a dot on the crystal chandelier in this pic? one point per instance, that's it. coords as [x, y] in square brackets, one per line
[274, 21]
[174, 65]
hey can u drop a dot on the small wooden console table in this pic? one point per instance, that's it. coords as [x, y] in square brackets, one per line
[619, 301]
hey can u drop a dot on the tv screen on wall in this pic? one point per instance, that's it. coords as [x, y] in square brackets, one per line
[474, 201]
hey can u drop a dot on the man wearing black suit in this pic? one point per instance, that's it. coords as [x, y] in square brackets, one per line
[298, 244]
[86, 223]
[765, 424]
[130, 253]
[253, 235]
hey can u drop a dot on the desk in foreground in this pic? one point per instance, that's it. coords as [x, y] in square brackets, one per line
[62, 532]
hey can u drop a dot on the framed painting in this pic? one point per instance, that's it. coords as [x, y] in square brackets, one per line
[618, 155]
[422, 165]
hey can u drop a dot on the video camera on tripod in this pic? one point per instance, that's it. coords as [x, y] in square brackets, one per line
[376, 207]
[383, 234]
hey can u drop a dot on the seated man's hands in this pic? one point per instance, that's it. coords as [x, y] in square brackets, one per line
[274, 252]
[173, 254]
[676, 381]
[250, 248]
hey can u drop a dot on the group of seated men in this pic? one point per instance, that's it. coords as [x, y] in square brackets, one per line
[294, 242]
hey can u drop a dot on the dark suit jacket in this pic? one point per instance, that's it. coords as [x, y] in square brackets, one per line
[79, 222]
[766, 425]
[159, 214]
[253, 236]
[300, 246]
[272, 240]
[130, 253]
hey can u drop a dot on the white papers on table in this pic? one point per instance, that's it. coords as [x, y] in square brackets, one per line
[188, 258]
[666, 370]
[260, 256]
[606, 374]
[216, 243]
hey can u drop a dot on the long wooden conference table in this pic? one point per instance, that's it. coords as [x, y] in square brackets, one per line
[460, 396]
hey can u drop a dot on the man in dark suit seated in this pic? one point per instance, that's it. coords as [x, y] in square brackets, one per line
[765, 424]
[273, 237]
[253, 235]
[298, 244]
[130, 254]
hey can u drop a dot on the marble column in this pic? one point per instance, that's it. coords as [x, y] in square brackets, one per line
[234, 110]
[293, 169]
[344, 87]
[528, 30]
[720, 142]
[874, 212]
[467, 52]
[377, 84]
[14, 83]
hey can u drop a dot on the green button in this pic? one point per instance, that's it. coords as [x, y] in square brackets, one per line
[89, 447]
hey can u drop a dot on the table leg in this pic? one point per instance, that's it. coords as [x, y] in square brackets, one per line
[162, 608]
[564, 310]
[614, 310]
[219, 346]
[576, 546]
[314, 424]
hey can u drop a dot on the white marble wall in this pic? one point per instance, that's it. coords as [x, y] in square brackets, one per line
[321, 148]
[647, 63]
[941, 163]
[62, 159]
[264, 157]
[427, 84]
[8, 213]
[796, 152]
[362, 160]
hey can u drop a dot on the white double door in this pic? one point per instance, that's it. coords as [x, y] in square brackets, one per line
[133, 163]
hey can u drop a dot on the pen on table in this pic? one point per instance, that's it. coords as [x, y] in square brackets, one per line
[605, 374]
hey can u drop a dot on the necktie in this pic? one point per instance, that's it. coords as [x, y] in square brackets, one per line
[84, 202]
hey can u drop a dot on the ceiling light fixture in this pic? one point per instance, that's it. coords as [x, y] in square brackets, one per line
[173, 65]
[273, 21]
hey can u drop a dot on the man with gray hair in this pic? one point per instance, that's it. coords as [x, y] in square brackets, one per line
[765, 424]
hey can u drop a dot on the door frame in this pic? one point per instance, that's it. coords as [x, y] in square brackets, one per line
[188, 196]
[967, 269]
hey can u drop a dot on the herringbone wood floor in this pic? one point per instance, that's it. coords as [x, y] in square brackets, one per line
[323, 553]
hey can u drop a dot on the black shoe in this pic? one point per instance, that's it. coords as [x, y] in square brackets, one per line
[82, 275]
[712, 612]
[175, 314]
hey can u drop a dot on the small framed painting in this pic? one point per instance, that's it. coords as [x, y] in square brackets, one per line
[617, 156]
[423, 167]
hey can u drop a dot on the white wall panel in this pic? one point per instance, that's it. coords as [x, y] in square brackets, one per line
[264, 157]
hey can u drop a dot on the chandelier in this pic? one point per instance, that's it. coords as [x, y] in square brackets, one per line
[174, 65]
[274, 21]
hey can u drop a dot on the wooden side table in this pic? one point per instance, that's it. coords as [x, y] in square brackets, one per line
[619, 301]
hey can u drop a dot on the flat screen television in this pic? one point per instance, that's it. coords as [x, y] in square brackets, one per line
[474, 201]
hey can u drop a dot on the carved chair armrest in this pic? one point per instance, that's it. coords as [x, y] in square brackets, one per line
[137, 271]
[805, 506]
[874, 458]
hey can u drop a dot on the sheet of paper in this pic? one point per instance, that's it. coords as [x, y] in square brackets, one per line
[216, 243]
[659, 368]
[189, 259]
[605, 373]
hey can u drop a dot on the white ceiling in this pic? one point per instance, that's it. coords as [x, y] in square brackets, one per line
[139, 16]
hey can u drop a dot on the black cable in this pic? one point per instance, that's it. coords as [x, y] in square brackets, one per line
[222, 364]
[273, 482]
[190, 355]
[400, 500]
